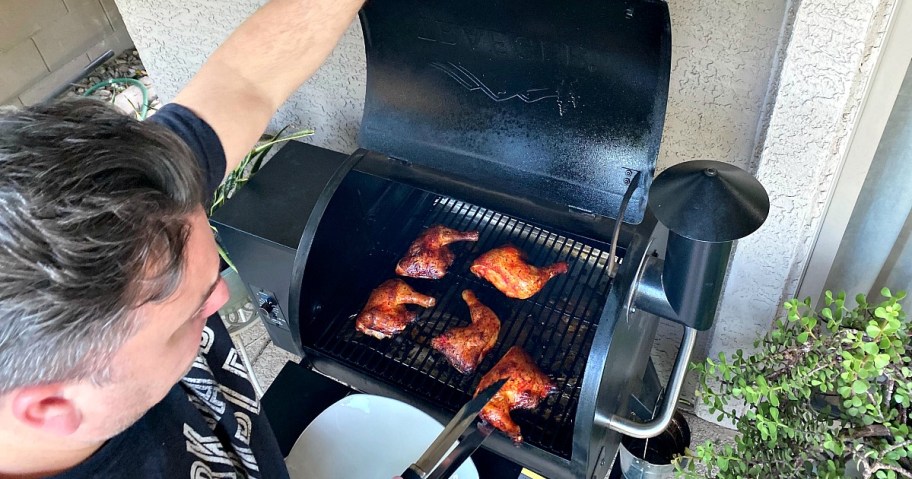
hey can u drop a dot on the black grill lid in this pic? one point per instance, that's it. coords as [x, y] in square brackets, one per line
[558, 101]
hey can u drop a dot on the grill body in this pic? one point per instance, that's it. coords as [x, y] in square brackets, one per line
[528, 121]
[350, 236]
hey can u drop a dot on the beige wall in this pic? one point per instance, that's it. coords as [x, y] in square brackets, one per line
[44, 43]
[827, 65]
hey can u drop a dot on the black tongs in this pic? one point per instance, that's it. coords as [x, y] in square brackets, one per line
[464, 428]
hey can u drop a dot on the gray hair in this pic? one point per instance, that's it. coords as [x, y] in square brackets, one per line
[93, 223]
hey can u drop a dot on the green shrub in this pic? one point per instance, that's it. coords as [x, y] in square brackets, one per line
[856, 359]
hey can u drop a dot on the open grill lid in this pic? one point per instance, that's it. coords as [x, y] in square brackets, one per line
[556, 102]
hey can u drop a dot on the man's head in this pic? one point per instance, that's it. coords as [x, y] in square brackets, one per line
[107, 268]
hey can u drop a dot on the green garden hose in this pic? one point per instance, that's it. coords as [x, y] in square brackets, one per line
[143, 109]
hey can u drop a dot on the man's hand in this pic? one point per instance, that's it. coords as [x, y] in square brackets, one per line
[261, 64]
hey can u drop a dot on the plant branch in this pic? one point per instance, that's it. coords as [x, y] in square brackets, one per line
[879, 466]
[874, 430]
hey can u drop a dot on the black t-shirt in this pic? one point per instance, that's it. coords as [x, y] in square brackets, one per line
[210, 425]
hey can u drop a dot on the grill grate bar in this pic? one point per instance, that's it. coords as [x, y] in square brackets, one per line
[555, 315]
[401, 210]
[572, 383]
[556, 326]
[469, 224]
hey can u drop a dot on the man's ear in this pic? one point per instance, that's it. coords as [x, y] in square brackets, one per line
[45, 408]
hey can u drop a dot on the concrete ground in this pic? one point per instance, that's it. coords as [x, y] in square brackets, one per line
[267, 358]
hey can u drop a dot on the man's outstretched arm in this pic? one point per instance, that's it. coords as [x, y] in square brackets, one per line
[261, 64]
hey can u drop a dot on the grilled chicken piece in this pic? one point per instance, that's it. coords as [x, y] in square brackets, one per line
[507, 270]
[429, 257]
[465, 346]
[385, 314]
[525, 389]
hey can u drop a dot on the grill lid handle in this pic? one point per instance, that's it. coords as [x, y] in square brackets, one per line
[669, 398]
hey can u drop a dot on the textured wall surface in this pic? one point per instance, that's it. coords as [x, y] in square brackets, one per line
[828, 63]
[722, 53]
[174, 38]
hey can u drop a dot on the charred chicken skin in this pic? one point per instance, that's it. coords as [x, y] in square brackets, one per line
[465, 346]
[385, 314]
[525, 389]
[506, 268]
[429, 256]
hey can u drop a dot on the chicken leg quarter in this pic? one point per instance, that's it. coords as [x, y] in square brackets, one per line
[525, 389]
[506, 268]
[385, 314]
[429, 256]
[465, 346]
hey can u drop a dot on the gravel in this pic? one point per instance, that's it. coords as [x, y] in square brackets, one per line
[126, 65]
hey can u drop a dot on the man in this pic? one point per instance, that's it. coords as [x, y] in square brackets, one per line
[109, 272]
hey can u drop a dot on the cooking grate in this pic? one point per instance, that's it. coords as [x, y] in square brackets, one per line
[556, 326]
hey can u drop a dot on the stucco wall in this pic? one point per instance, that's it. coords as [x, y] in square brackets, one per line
[174, 37]
[722, 53]
[828, 64]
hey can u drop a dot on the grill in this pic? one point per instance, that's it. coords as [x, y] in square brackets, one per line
[537, 123]
[556, 326]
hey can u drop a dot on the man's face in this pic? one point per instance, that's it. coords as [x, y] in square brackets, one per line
[162, 349]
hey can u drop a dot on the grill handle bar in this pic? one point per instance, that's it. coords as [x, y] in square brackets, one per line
[669, 399]
[612, 253]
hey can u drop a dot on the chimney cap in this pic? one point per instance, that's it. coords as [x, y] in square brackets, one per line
[709, 201]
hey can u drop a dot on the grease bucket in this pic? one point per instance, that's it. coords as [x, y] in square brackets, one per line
[652, 458]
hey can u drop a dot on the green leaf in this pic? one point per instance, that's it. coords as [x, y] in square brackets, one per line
[881, 312]
[870, 348]
[873, 329]
[885, 292]
[774, 400]
[811, 323]
[859, 387]
[881, 361]
[827, 313]
[803, 337]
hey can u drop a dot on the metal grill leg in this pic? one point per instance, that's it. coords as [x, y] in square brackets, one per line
[242, 349]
